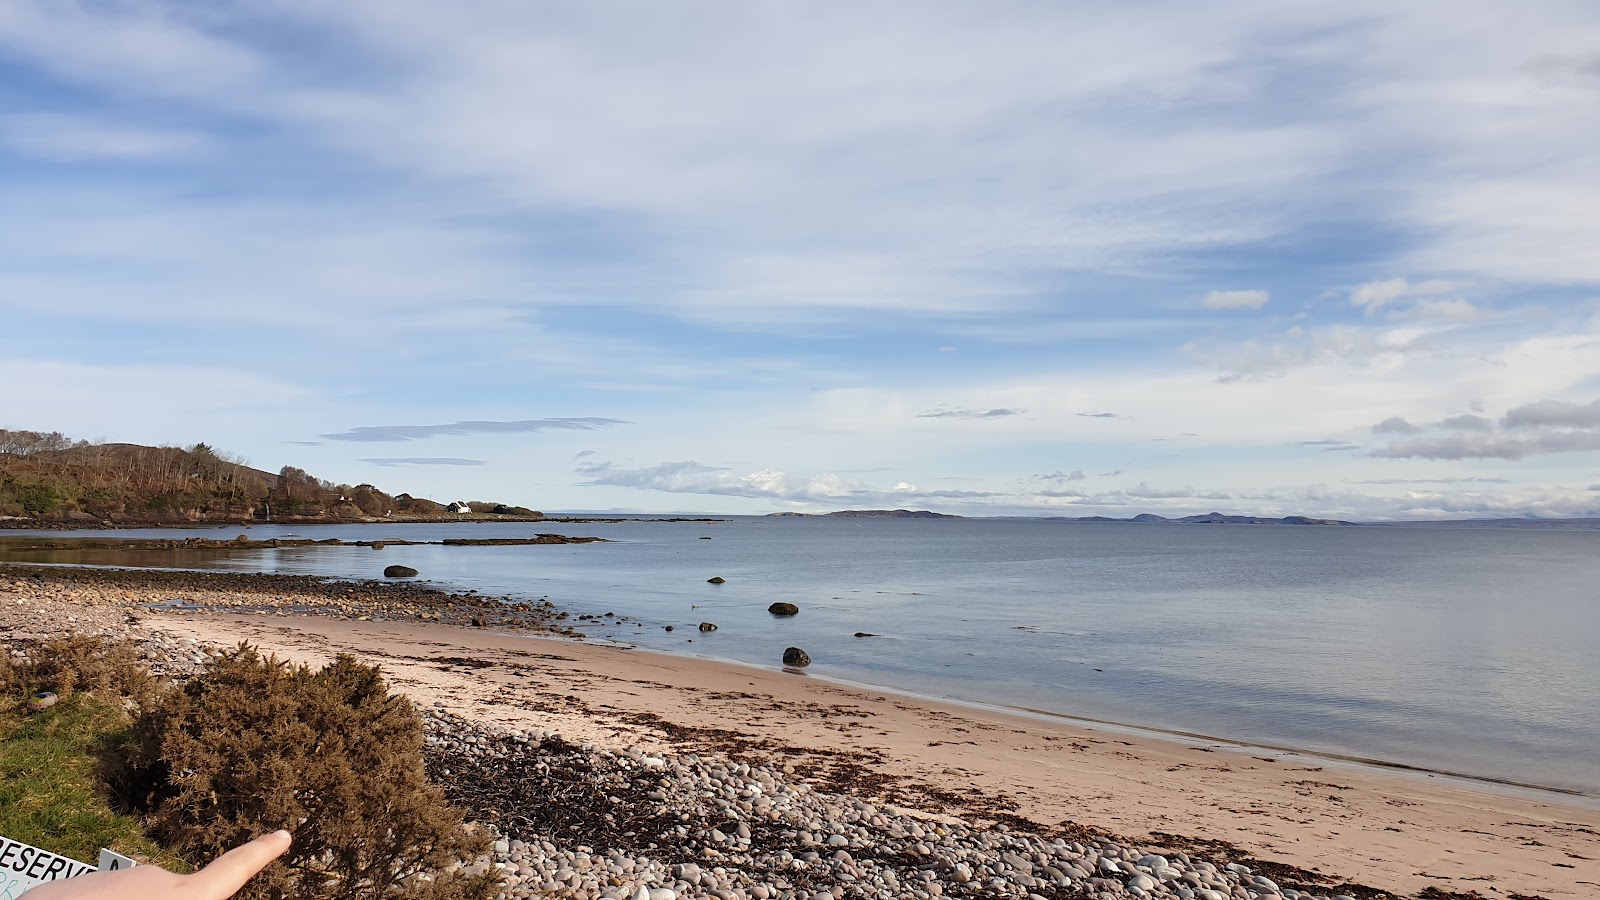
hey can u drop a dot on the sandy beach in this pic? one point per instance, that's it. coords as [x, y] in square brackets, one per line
[1343, 827]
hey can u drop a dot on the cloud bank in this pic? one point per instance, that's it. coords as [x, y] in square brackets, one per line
[1236, 300]
[423, 461]
[384, 433]
[958, 413]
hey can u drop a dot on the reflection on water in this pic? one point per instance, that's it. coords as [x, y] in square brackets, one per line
[159, 559]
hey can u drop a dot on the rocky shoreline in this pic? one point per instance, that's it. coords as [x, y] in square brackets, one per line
[245, 542]
[578, 820]
[684, 808]
[90, 523]
[92, 591]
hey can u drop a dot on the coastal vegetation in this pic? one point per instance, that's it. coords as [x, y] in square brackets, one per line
[52, 478]
[248, 745]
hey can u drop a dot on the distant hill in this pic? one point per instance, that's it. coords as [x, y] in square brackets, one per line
[890, 514]
[1213, 518]
[870, 514]
[51, 480]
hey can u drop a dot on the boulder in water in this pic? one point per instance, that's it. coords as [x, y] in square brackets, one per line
[794, 656]
[708, 626]
[716, 579]
[783, 609]
[399, 572]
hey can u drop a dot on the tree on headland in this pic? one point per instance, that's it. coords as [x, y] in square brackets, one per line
[49, 476]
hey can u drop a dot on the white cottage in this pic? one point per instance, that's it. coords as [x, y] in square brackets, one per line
[460, 506]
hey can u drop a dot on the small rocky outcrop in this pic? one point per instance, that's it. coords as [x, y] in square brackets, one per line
[794, 656]
[716, 579]
[708, 626]
[783, 609]
[399, 572]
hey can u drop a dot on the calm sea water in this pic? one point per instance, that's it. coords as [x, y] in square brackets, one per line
[1475, 652]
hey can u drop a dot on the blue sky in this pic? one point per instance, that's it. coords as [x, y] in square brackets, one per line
[1004, 258]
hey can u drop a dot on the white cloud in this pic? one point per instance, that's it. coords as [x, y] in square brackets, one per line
[1455, 310]
[1491, 446]
[401, 461]
[944, 412]
[1394, 425]
[70, 138]
[1465, 422]
[1235, 300]
[157, 403]
[690, 477]
[1374, 294]
[1545, 413]
[1348, 345]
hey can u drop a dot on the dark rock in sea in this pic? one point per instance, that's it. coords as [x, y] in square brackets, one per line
[706, 538]
[716, 579]
[783, 609]
[667, 628]
[399, 572]
[377, 545]
[794, 656]
[708, 626]
[865, 634]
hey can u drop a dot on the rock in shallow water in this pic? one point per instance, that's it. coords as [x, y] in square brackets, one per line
[708, 626]
[399, 572]
[794, 656]
[783, 609]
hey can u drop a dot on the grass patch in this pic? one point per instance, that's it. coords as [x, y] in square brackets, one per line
[51, 792]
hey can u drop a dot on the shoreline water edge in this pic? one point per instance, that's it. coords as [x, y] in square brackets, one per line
[1003, 802]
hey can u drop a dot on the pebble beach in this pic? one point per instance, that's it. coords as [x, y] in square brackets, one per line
[610, 772]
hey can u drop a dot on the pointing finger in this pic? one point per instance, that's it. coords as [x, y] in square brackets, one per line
[228, 872]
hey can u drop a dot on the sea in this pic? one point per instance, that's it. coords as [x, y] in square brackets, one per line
[1461, 651]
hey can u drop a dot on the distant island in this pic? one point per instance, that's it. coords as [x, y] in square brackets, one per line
[870, 514]
[1211, 518]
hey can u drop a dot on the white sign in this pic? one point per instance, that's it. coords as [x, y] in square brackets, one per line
[111, 860]
[23, 866]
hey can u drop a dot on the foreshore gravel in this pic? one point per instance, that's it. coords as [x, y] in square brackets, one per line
[590, 820]
[578, 820]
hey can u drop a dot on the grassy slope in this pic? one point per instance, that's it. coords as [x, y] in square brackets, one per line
[50, 790]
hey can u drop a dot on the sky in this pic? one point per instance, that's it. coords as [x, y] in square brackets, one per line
[1009, 258]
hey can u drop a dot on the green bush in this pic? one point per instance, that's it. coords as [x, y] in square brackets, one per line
[38, 497]
[255, 744]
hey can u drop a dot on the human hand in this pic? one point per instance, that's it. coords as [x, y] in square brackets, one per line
[218, 881]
